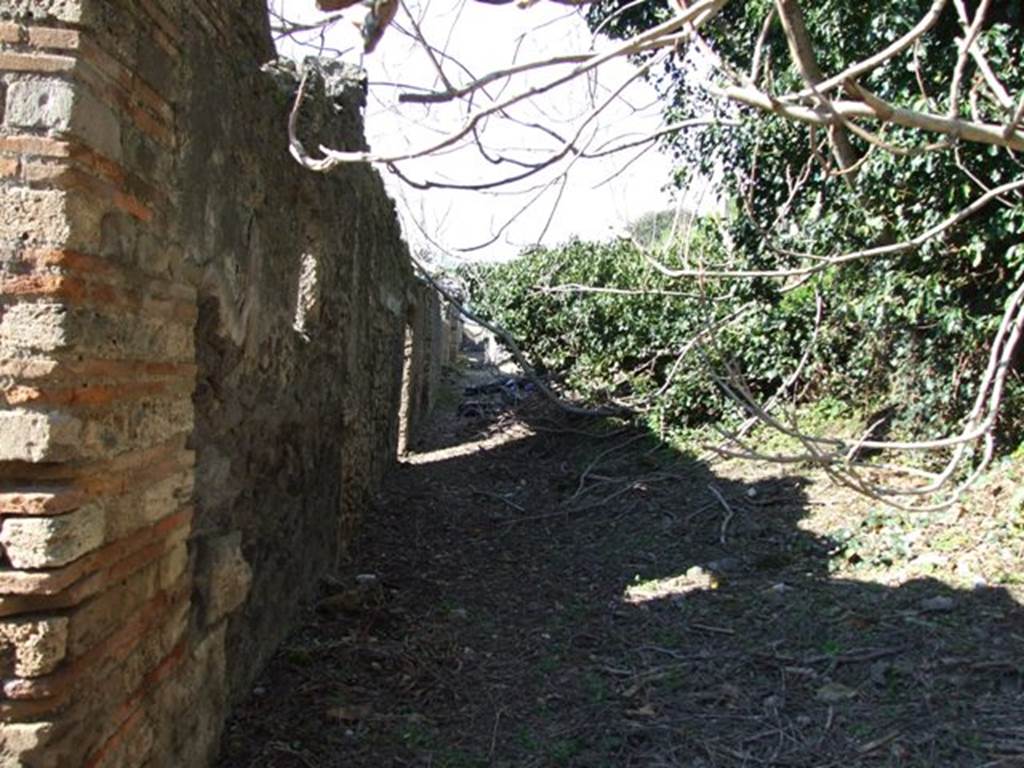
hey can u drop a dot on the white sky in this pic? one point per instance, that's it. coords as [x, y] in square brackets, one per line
[482, 38]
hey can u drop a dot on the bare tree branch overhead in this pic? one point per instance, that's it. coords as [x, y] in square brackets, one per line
[854, 122]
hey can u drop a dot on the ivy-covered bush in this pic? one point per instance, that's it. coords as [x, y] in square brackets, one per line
[908, 335]
[892, 339]
[606, 323]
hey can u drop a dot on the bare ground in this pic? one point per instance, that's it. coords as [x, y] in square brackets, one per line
[544, 597]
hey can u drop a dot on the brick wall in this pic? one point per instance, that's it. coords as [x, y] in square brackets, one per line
[200, 355]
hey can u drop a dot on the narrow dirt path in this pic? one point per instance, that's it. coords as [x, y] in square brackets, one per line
[544, 597]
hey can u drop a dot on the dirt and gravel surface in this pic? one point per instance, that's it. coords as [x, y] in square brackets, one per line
[529, 591]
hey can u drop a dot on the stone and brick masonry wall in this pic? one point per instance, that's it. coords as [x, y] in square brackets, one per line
[200, 356]
[433, 337]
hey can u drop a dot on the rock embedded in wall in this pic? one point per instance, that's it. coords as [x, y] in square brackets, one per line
[223, 576]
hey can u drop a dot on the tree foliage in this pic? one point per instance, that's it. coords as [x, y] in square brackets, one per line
[610, 326]
[907, 333]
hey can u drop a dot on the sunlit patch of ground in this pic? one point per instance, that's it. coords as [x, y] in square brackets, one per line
[487, 442]
[695, 578]
[978, 543]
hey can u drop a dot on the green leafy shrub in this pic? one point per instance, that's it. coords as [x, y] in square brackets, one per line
[622, 345]
[894, 339]
[906, 336]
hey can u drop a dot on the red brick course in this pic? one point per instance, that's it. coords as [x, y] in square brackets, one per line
[36, 62]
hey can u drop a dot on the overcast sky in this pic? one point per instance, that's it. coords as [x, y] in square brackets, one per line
[483, 38]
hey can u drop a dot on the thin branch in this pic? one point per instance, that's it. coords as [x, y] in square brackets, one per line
[875, 252]
[876, 60]
[662, 36]
[802, 52]
[877, 109]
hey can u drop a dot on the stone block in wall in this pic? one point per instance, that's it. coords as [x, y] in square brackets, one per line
[63, 107]
[44, 104]
[50, 216]
[34, 215]
[123, 335]
[33, 326]
[70, 11]
[17, 740]
[48, 542]
[223, 576]
[36, 436]
[33, 647]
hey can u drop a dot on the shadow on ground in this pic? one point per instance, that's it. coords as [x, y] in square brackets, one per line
[529, 617]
